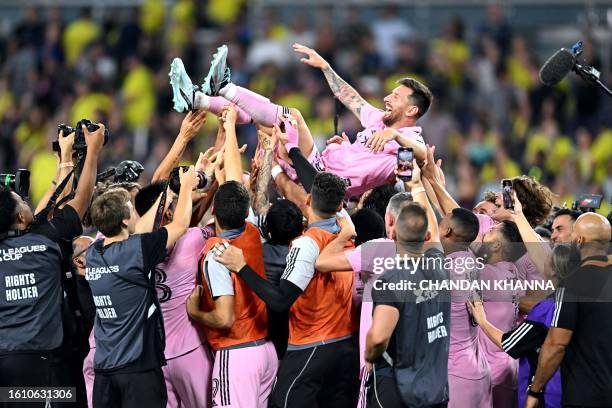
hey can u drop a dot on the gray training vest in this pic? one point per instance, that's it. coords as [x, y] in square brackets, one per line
[30, 293]
[121, 290]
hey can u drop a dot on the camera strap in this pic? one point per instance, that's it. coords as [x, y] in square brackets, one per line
[51, 204]
[159, 215]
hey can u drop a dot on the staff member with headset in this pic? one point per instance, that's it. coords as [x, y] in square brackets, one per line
[30, 277]
[129, 329]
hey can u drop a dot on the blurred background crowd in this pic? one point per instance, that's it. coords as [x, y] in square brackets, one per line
[491, 118]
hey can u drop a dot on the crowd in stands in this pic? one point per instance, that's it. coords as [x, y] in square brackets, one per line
[492, 118]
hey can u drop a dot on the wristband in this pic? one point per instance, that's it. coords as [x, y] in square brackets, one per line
[417, 190]
[67, 164]
[535, 394]
[276, 170]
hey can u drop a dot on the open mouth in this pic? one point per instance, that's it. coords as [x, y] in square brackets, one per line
[388, 108]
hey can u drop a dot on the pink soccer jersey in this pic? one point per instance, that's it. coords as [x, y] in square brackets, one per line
[469, 376]
[382, 247]
[502, 311]
[175, 281]
[355, 163]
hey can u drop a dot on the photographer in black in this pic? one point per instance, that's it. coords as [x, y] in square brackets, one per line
[31, 272]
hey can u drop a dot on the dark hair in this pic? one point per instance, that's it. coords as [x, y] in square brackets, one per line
[465, 224]
[379, 198]
[411, 225]
[542, 231]
[489, 196]
[109, 210]
[368, 225]
[327, 193]
[284, 222]
[535, 198]
[421, 95]
[231, 205]
[8, 209]
[564, 260]
[512, 236]
[146, 197]
[567, 211]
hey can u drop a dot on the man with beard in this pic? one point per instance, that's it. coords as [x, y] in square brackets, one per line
[498, 248]
[563, 225]
[367, 163]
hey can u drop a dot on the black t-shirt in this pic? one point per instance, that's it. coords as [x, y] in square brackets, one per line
[154, 252]
[418, 347]
[584, 306]
[64, 226]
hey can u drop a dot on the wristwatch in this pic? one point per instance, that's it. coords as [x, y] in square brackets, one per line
[535, 394]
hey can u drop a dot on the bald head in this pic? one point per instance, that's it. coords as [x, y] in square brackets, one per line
[592, 227]
[592, 234]
[81, 243]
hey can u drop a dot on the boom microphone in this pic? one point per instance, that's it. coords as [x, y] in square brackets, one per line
[557, 67]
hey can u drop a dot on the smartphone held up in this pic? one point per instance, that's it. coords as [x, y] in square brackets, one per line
[507, 194]
[405, 156]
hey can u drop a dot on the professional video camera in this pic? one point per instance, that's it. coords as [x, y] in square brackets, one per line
[80, 144]
[127, 171]
[18, 182]
[175, 181]
[587, 203]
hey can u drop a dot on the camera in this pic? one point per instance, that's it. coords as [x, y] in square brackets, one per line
[174, 181]
[18, 182]
[587, 203]
[80, 144]
[128, 171]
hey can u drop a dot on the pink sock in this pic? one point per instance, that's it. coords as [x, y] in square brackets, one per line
[259, 107]
[214, 104]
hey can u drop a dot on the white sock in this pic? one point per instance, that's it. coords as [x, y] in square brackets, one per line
[201, 100]
[228, 91]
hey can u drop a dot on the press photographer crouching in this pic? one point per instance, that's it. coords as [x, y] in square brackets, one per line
[31, 267]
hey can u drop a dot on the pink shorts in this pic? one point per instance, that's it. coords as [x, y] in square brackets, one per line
[469, 393]
[244, 377]
[188, 379]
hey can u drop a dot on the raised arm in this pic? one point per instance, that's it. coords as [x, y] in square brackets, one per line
[233, 167]
[433, 174]
[182, 213]
[343, 91]
[416, 188]
[192, 123]
[260, 199]
[291, 191]
[84, 191]
[64, 166]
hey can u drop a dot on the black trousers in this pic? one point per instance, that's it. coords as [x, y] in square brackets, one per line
[25, 370]
[383, 393]
[130, 390]
[321, 376]
[67, 371]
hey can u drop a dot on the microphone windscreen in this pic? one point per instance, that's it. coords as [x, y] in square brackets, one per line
[557, 67]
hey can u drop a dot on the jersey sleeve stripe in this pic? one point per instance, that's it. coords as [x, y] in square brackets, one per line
[516, 337]
[558, 304]
[290, 262]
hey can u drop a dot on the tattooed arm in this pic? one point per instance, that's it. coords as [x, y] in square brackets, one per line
[343, 91]
[261, 201]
